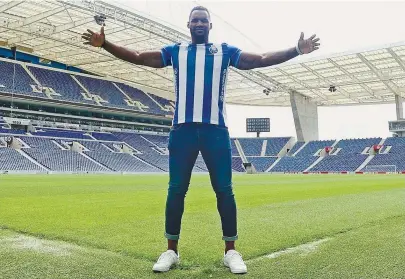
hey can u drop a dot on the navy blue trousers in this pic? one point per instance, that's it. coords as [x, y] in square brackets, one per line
[185, 142]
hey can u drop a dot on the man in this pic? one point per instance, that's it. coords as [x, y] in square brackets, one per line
[199, 124]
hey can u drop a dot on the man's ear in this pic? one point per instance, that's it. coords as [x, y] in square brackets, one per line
[188, 24]
[210, 26]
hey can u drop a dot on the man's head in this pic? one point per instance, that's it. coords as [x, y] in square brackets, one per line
[199, 22]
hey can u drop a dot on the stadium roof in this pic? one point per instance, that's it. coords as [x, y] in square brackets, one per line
[52, 29]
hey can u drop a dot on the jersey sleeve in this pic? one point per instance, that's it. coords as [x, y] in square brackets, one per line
[167, 52]
[234, 55]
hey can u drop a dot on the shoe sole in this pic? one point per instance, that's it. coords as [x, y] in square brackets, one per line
[166, 270]
[239, 272]
[236, 271]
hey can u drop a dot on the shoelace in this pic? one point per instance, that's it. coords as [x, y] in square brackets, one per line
[164, 255]
[240, 259]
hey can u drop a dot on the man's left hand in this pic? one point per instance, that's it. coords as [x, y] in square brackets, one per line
[308, 45]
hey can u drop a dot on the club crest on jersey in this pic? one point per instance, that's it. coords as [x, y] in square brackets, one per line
[213, 49]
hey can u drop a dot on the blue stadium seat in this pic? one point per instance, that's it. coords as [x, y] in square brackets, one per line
[294, 164]
[295, 148]
[235, 151]
[339, 163]
[140, 96]
[261, 164]
[106, 90]
[61, 83]
[274, 145]
[251, 146]
[395, 156]
[356, 146]
[237, 164]
[20, 83]
[313, 146]
[11, 160]
[59, 133]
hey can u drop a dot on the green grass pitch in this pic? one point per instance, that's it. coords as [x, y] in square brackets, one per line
[111, 226]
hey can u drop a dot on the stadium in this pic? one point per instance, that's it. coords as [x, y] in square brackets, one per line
[84, 158]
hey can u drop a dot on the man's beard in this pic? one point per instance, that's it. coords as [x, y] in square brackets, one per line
[202, 32]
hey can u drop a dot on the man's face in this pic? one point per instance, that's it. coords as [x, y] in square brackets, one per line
[199, 24]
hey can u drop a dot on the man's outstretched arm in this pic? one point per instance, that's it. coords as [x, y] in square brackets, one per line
[249, 61]
[146, 58]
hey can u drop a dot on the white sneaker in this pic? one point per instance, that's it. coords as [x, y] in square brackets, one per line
[166, 261]
[234, 261]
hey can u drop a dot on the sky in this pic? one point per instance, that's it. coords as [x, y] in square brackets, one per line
[261, 26]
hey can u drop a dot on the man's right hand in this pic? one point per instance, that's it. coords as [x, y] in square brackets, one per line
[94, 39]
[146, 58]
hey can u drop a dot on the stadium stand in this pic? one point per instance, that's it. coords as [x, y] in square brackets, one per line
[235, 151]
[140, 96]
[294, 164]
[261, 164]
[18, 84]
[112, 145]
[64, 160]
[135, 141]
[62, 83]
[94, 146]
[349, 157]
[40, 143]
[199, 163]
[237, 164]
[104, 136]
[106, 90]
[275, 145]
[394, 157]
[59, 133]
[295, 148]
[162, 101]
[12, 160]
[51, 148]
[11, 131]
[251, 146]
[160, 141]
[121, 162]
[355, 146]
[313, 146]
[397, 144]
[155, 159]
[339, 163]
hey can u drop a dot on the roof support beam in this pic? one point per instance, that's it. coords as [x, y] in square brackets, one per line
[366, 88]
[387, 83]
[76, 24]
[9, 5]
[397, 59]
[325, 80]
[399, 107]
[302, 84]
[68, 53]
[262, 99]
[51, 31]
[37, 17]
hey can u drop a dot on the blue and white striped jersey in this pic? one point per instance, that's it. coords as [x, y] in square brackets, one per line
[200, 75]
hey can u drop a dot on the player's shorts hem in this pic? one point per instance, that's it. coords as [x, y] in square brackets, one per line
[172, 237]
[230, 238]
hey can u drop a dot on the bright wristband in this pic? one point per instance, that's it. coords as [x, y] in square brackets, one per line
[298, 50]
